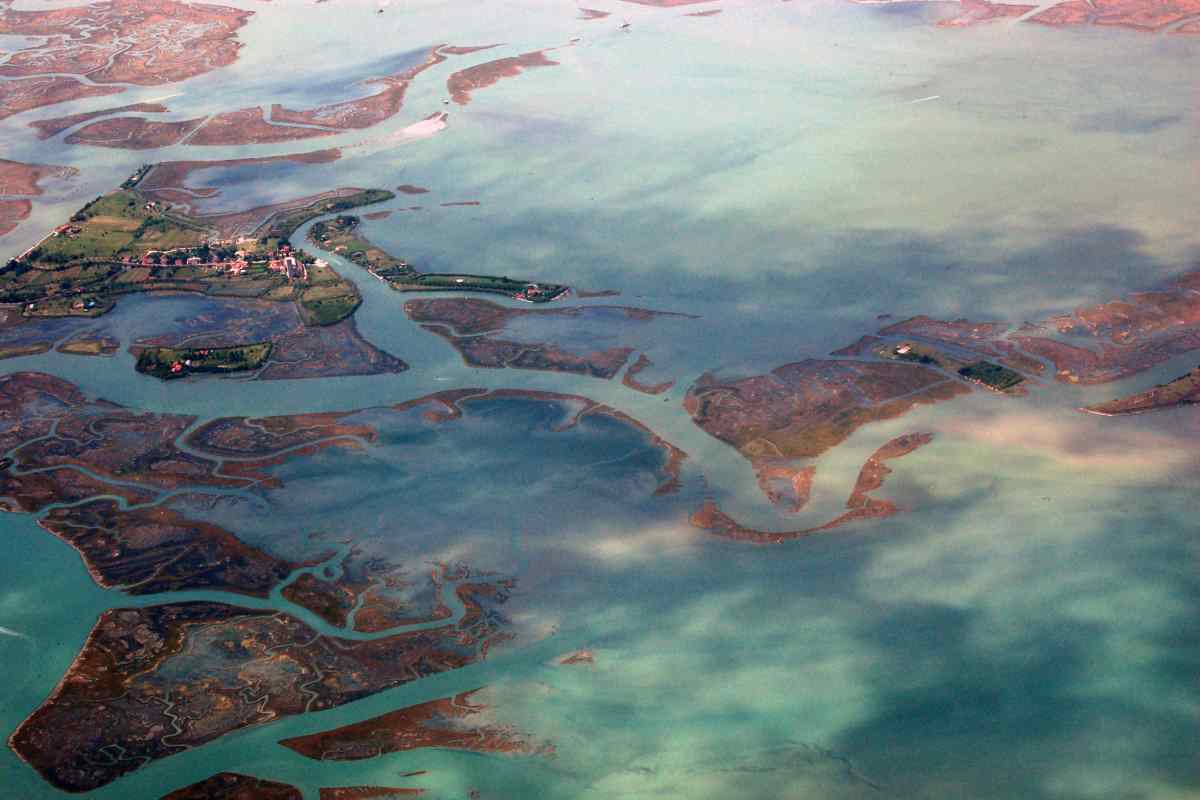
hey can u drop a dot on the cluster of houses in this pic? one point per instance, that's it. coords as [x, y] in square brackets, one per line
[177, 367]
[535, 292]
[283, 261]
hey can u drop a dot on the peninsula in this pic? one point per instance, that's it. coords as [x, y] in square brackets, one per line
[861, 504]
[18, 182]
[341, 235]
[446, 723]
[1183, 391]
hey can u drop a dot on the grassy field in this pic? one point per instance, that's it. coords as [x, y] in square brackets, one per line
[116, 225]
[992, 375]
[327, 297]
[328, 311]
[280, 293]
[88, 347]
[70, 307]
[85, 257]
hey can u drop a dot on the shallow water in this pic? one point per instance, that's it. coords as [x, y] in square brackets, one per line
[1026, 630]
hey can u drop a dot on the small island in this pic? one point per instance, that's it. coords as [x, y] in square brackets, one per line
[249, 125]
[1183, 391]
[476, 329]
[462, 83]
[235, 786]
[1138, 15]
[167, 363]
[366, 792]
[151, 239]
[801, 410]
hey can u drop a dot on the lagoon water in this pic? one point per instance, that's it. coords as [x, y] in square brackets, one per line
[786, 172]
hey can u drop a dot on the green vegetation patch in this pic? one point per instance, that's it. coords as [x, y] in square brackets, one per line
[121, 223]
[440, 282]
[76, 306]
[993, 375]
[340, 235]
[167, 363]
[328, 310]
[282, 226]
[326, 297]
[918, 358]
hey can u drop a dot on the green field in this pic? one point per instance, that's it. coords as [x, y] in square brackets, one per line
[116, 225]
[327, 311]
[326, 297]
[992, 375]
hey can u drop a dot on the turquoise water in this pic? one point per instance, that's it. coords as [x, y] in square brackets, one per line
[1027, 630]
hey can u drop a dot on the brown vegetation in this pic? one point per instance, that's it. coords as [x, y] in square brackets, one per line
[1183, 391]
[51, 127]
[149, 42]
[462, 83]
[630, 378]
[861, 505]
[445, 723]
[232, 786]
[133, 133]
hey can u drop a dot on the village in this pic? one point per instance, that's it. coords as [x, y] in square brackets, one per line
[216, 256]
[231, 257]
[123, 242]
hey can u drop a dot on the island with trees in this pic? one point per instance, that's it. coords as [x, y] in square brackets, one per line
[167, 363]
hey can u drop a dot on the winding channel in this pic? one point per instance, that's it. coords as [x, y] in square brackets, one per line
[330, 568]
[434, 365]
